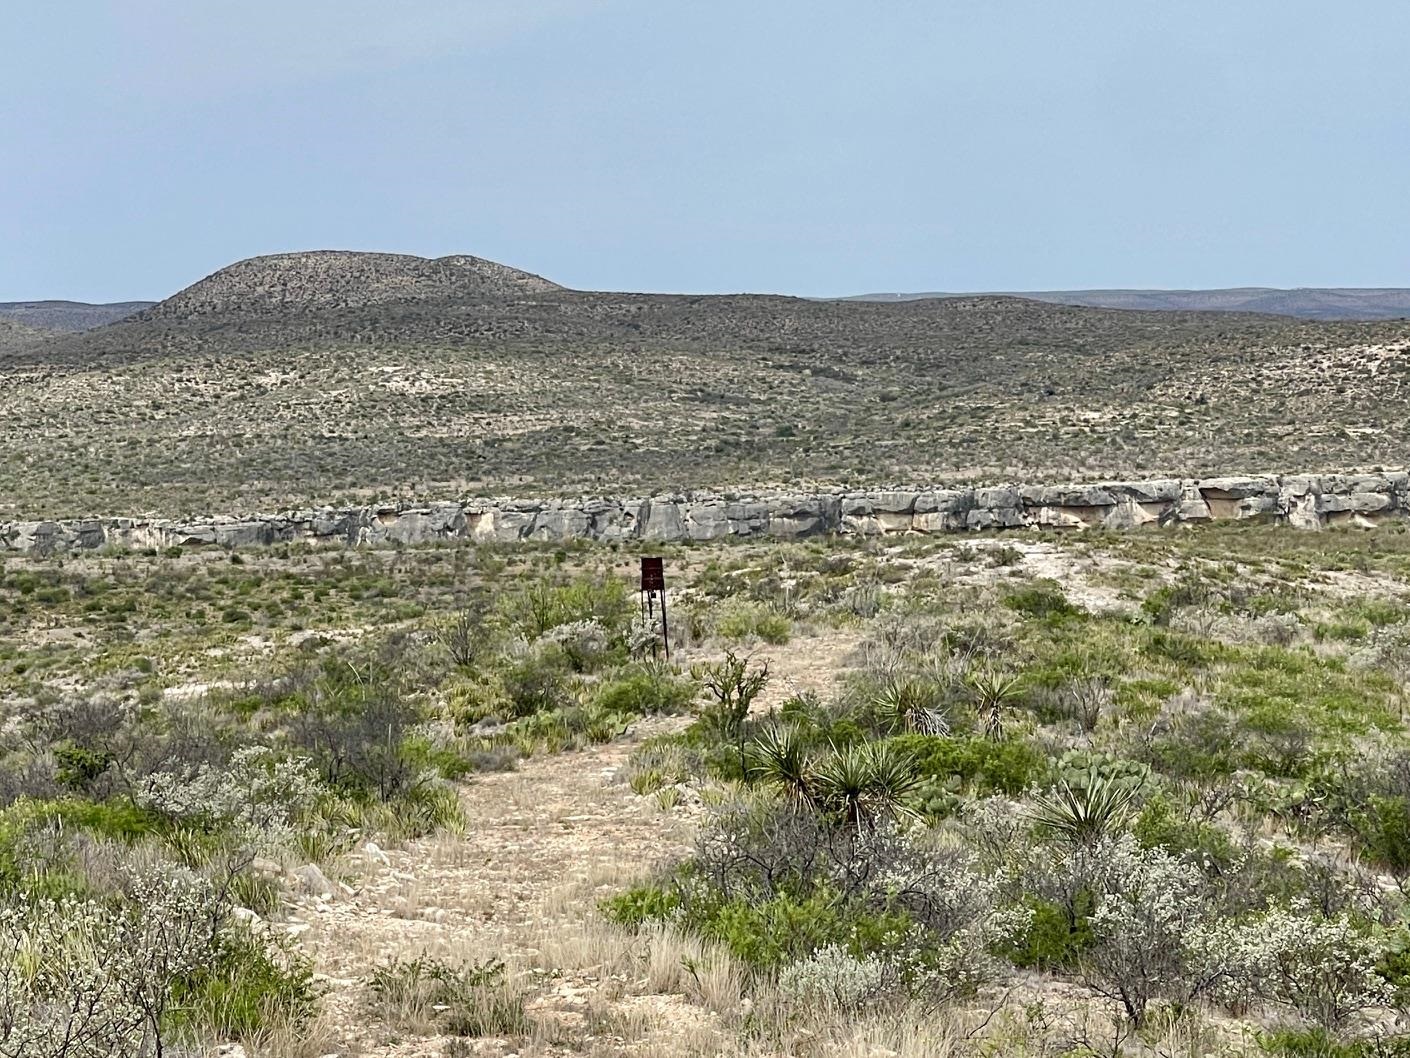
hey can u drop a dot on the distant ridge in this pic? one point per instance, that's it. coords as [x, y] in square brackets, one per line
[1311, 303]
[357, 378]
[343, 279]
[69, 315]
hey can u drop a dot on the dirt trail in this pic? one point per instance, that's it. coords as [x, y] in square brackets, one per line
[544, 844]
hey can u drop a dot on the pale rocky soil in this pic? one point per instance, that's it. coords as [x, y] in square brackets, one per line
[544, 845]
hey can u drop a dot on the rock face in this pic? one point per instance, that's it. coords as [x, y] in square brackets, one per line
[1304, 501]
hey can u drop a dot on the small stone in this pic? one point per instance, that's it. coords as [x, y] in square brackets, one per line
[314, 881]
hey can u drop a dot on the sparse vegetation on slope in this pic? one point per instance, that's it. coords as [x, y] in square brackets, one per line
[331, 378]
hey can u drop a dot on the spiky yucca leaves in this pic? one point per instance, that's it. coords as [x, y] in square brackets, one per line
[865, 783]
[992, 693]
[912, 705]
[779, 756]
[1083, 812]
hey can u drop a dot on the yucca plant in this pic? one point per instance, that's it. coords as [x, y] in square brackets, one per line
[912, 705]
[780, 757]
[863, 784]
[992, 693]
[1083, 812]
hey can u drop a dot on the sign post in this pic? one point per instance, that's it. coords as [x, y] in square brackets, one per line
[653, 590]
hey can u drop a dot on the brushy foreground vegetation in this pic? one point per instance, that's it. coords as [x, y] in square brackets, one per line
[1078, 795]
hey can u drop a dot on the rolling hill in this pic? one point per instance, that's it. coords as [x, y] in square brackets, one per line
[1313, 303]
[15, 335]
[69, 315]
[339, 376]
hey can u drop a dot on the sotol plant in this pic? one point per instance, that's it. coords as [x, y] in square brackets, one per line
[1083, 812]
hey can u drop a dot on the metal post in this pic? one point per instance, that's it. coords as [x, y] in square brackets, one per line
[653, 584]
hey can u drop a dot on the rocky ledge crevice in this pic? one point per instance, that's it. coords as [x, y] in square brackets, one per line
[1304, 501]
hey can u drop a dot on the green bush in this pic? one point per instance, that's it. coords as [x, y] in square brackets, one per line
[784, 929]
[742, 620]
[1319, 1043]
[1383, 831]
[982, 766]
[79, 767]
[543, 606]
[1042, 598]
[245, 988]
[646, 689]
[642, 904]
[1052, 941]
[24, 821]
[1157, 827]
[538, 682]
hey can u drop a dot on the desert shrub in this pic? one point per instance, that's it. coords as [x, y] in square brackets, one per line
[122, 977]
[248, 985]
[1319, 1043]
[542, 605]
[1053, 939]
[1382, 829]
[740, 621]
[584, 644]
[472, 1000]
[642, 904]
[259, 794]
[1146, 929]
[775, 881]
[1322, 969]
[1190, 590]
[36, 840]
[1190, 738]
[981, 766]
[832, 978]
[731, 685]
[1083, 700]
[435, 750]
[1204, 843]
[1043, 599]
[78, 767]
[467, 636]
[645, 689]
[1387, 649]
[773, 932]
[538, 681]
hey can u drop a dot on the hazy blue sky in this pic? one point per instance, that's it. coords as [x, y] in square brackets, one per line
[802, 146]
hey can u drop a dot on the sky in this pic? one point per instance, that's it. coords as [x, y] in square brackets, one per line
[795, 146]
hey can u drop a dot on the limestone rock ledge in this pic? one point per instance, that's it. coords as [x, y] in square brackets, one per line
[1304, 501]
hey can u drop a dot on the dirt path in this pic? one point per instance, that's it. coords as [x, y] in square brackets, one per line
[544, 844]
